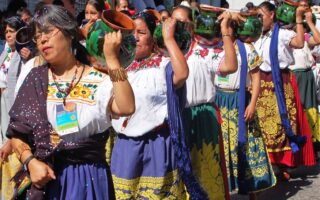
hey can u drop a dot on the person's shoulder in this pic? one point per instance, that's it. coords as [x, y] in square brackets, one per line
[96, 74]
[286, 32]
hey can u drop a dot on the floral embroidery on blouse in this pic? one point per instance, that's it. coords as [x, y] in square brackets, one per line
[203, 51]
[84, 91]
[152, 61]
[254, 60]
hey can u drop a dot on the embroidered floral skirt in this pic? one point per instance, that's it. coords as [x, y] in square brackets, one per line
[8, 169]
[307, 89]
[258, 170]
[203, 135]
[278, 145]
[145, 167]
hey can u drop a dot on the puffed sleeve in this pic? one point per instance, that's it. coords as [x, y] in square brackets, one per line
[254, 60]
[215, 59]
[286, 36]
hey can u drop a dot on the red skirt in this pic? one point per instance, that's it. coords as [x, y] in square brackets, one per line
[274, 135]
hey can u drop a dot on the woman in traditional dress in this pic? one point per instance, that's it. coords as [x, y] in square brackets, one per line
[147, 162]
[277, 104]
[207, 57]
[248, 166]
[59, 122]
[93, 11]
[11, 65]
[302, 68]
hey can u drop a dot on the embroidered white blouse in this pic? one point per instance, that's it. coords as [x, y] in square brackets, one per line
[232, 81]
[91, 96]
[303, 58]
[203, 62]
[285, 53]
[148, 81]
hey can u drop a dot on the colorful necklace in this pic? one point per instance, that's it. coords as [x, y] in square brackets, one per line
[67, 91]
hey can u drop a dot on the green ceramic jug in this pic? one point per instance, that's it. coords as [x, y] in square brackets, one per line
[181, 35]
[206, 25]
[252, 27]
[286, 12]
[112, 20]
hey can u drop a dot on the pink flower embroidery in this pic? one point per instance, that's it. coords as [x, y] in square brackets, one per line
[204, 52]
[217, 50]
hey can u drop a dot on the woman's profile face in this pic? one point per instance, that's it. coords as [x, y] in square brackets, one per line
[52, 44]
[92, 13]
[10, 34]
[267, 18]
[143, 38]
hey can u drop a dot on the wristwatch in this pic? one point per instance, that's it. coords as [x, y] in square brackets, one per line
[25, 164]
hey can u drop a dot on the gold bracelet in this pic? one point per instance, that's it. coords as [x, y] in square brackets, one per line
[117, 75]
[20, 149]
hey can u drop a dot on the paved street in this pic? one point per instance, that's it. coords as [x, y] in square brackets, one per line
[304, 185]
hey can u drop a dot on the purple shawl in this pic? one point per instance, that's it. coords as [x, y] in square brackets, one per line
[28, 115]
[29, 121]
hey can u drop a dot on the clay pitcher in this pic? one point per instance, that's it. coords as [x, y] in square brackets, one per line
[112, 20]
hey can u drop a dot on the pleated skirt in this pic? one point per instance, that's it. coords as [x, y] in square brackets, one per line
[258, 170]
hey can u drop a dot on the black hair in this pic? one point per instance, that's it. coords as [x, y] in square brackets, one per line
[185, 8]
[149, 19]
[250, 5]
[14, 22]
[98, 4]
[39, 5]
[81, 17]
[270, 7]
[14, 6]
[22, 11]
[224, 4]
[58, 2]
[62, 19]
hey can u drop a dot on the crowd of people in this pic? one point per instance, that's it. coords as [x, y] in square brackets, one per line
[213, 101]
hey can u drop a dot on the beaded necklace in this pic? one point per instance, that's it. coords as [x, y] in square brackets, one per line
[67, 91]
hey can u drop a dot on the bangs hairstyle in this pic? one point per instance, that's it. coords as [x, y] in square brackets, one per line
[59, 17]
[97, 4]
[14, 22]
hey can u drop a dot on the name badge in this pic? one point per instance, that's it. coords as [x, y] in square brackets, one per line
[223, 79]
[66, 119]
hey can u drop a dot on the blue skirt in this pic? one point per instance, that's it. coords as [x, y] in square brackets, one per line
[145, 167]
[81, 182]
[258, 171]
